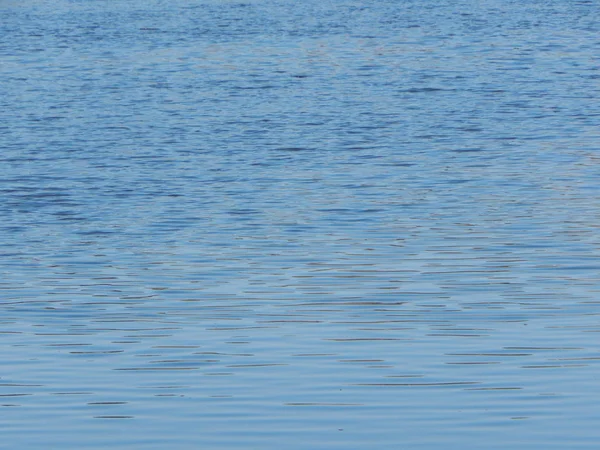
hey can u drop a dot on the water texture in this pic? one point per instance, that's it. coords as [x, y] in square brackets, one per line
[268, 224]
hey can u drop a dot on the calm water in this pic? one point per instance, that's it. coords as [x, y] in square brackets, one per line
[268, 224]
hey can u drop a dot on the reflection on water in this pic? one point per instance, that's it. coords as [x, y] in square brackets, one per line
[320, 225]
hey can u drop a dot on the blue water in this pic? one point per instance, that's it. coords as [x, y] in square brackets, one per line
[267, 224]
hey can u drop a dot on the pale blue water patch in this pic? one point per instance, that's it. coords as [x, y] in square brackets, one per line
[257, 224]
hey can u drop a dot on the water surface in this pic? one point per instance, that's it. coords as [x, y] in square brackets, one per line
[269, 224]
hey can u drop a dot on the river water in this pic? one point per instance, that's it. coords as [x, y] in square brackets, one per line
[267, 224]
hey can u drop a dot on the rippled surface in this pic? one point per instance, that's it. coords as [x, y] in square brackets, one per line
[276, 224]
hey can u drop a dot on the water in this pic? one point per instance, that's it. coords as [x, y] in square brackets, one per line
[320, 224]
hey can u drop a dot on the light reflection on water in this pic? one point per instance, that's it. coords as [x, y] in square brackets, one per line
[264, 224]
